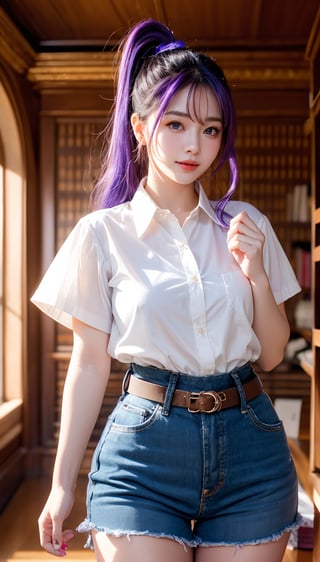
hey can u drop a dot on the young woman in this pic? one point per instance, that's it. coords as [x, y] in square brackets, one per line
[193, 463]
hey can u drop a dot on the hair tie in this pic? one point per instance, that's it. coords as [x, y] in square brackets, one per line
[169, 46]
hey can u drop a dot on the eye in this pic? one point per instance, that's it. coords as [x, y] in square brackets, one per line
[212, 131]
[175, 125]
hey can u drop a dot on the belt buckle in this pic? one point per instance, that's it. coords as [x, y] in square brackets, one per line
[218, 398]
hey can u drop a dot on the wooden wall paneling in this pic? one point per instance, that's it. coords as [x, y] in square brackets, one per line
[47, 190]
[313, 55]
[31, 382]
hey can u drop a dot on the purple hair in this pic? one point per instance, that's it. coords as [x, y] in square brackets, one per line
[147, 81]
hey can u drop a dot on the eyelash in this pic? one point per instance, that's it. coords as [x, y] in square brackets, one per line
[215, 131]
[173, 124]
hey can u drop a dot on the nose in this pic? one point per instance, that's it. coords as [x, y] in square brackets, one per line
[193, 142]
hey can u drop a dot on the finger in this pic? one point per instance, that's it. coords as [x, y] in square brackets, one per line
[237, 227]
[244, 233]
[246, 247]
[67, 535]
[53, 549]
[243, 223]
[245, 239]
[45, 533]
[250, 230]
[60, 549]
[243, 217]
[57, 539]
[61, 539]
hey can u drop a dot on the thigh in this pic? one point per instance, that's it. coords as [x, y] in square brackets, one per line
[137, 548]
[266, 552]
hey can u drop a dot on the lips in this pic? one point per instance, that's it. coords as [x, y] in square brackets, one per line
[188, 165]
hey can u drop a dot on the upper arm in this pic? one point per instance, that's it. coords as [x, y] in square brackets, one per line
[282, 309]
[90, 347]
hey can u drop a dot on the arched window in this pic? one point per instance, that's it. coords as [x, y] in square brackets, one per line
[12, 257]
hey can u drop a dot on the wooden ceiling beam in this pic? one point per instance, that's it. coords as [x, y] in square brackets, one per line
[14, 48]
[259, 70]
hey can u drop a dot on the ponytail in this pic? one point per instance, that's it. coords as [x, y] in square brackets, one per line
[120, 174]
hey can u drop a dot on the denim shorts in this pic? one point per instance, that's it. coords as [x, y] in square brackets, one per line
[203, 479]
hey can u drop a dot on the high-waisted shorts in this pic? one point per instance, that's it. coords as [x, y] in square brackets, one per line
[203, 479]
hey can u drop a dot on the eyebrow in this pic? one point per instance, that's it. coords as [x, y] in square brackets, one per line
[183, 114]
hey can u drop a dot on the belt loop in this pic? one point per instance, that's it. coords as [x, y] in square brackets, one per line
[172, 383]
[126, 379]
[242, 394]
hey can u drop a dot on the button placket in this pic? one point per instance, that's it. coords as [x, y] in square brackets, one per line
[196, 298]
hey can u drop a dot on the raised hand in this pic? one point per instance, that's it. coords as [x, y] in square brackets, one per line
[245, 242]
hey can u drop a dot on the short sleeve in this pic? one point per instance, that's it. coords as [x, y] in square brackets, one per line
[282, 278]
[76, 282]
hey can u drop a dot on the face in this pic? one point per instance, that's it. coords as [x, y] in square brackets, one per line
[188, 138]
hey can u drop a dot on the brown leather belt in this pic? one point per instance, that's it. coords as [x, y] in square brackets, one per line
[208, 401]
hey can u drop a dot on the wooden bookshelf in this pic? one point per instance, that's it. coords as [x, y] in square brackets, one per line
[313, 55]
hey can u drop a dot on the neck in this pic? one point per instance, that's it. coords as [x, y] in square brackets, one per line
[177, 198]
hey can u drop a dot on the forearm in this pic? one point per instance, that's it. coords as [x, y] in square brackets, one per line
[82, 400]
[270, 325]
[82, 397]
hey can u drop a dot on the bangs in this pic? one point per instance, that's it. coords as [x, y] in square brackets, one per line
[194, 105]
[167, 90]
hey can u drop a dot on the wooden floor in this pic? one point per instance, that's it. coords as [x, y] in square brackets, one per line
[19, 535]
[18, 525]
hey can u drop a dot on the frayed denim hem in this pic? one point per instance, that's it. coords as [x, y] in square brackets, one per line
[86, 527]
[273, 538]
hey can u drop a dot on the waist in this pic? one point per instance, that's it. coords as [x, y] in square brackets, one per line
[209, 394]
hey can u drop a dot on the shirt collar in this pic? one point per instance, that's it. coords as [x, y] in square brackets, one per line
[144, 208]
[204, 203]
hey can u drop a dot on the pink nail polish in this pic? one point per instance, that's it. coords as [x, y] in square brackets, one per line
[64, 546]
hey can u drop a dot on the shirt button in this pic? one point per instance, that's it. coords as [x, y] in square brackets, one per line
[202, 331]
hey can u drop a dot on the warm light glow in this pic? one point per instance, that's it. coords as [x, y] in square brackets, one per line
[1, 283]
[12, 247]
[316, 498]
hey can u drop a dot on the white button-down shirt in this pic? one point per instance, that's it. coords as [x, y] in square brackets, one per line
[169, 296]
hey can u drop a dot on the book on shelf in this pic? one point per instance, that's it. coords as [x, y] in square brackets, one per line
[302, 263]
[302, 537]
[298, 204]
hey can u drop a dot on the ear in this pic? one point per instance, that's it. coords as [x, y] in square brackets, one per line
[137, 127]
